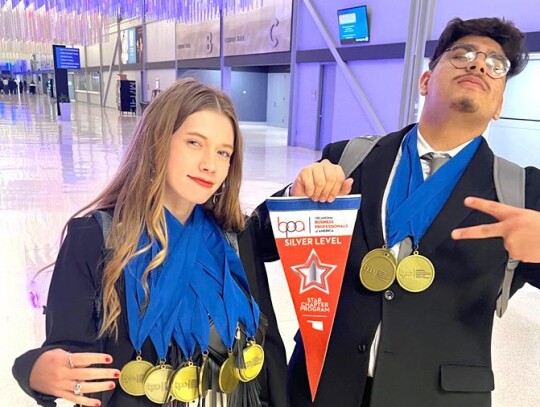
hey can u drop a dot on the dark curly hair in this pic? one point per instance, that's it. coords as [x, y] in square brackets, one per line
[502, 31]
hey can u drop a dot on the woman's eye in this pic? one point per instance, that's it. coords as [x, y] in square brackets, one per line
[194, 143]
[225, 154]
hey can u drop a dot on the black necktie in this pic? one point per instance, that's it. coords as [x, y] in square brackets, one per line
[435, 161]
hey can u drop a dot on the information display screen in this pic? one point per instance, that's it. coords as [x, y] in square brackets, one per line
[353, 25]
[67, 58]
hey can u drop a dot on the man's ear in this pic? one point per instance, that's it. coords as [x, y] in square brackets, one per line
[423, 83]
[497, 114]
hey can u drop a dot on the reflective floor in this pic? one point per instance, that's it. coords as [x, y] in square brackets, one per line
[50, 168]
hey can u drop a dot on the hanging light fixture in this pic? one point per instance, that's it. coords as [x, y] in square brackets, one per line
[28, 27]
[50, 24]
[181, 10]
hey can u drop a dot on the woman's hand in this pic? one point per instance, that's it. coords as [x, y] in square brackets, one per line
[70, 375]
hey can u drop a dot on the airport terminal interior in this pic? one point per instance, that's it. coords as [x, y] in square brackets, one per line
[291, 102]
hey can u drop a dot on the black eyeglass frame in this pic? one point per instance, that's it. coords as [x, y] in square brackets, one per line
[471, 56]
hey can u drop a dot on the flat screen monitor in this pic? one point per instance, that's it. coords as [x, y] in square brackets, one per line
[5, 67]
[353, 25]
[67, 58]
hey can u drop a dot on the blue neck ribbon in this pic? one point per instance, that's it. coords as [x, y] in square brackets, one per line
[414, 203]
[193, 284]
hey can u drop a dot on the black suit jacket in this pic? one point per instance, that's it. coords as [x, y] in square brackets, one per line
[71, 322]
[435, 346]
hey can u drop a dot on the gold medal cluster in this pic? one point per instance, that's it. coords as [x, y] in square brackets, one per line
[162, 383]
[379, 270]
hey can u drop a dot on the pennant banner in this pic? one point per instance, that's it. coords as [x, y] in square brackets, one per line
[313, 241]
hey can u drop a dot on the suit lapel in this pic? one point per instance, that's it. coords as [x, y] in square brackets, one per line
[376, 169]
[106, 398]
[477, 180]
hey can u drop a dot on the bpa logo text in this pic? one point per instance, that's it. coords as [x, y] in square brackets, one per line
[293, 226]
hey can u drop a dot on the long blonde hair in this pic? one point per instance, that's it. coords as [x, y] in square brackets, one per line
[136, 191]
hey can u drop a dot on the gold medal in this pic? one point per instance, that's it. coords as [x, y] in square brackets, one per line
[228, 376]
[383, 251]
[253, 362]
[204, 376]
[415, 273]
[132, 376]
[156, 383]
[378, 269]
[185, 383]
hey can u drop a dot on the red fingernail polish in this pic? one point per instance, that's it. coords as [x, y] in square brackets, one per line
[111, 386]
[116, 374]
[97, 405]
[108, 359]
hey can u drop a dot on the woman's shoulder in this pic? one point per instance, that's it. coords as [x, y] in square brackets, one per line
[87, 231]
[90, 222]
[83, 227]
[80, 253]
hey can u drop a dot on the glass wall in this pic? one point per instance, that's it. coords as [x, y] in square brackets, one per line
[87, 81]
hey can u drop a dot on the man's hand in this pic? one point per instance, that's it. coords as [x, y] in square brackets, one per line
[321, 182]
[520, 228]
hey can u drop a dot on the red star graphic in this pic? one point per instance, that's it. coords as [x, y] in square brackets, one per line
[314, 273]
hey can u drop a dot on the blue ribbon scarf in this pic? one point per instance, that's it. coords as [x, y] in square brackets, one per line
[201, 278]
[414, 203]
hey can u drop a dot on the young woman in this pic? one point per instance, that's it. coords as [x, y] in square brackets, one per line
[149, 303]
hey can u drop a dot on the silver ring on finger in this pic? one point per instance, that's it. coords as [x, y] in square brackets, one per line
[70, 360]
[77, 388]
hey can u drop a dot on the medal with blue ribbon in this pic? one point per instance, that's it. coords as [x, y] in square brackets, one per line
[153, 317]
[201, 279]
[412, 206]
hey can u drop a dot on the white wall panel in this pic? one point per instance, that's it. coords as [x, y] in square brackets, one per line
[166, 78]
[523, 92]
[524, 13]
[82, 56]
[108, 50]
[92, 54]
[160, 41]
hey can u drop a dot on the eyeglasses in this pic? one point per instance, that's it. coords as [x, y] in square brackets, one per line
[461, 55]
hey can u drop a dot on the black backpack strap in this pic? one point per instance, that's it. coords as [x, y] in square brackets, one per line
[509, 179]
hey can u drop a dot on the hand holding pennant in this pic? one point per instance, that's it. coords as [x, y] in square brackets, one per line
[313, 241]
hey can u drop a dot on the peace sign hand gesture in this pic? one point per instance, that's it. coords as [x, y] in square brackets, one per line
[520, 228]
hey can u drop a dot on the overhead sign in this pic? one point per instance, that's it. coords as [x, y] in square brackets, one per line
[199, 40]
[259, 30]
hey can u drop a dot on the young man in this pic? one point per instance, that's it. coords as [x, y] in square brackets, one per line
[425, 340]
